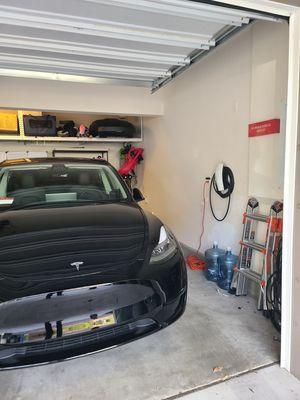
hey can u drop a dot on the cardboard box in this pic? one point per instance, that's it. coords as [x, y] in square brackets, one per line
[8, 122]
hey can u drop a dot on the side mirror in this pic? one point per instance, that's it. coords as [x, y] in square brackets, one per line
[137, 195]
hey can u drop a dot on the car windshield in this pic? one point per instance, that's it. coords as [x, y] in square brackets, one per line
[47, 184]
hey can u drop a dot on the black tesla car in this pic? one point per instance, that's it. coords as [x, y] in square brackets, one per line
[83, 267]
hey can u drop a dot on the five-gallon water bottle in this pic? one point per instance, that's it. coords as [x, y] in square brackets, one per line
[227, 263]
[211, 262]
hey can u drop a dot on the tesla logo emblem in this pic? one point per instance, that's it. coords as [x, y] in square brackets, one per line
[77, 264]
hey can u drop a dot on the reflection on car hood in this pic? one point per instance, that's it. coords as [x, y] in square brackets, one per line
[52, 249]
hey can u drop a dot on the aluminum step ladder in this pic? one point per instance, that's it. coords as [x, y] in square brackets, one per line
[244, 273]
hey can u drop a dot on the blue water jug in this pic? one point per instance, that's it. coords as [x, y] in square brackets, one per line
[227, 263]
[211, 262]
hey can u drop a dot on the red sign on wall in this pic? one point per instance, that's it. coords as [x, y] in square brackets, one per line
[264, 128]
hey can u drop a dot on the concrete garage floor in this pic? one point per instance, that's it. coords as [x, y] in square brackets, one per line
[217, 330]
[269, 383]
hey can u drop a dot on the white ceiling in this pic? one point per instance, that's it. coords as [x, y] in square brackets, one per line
[139, 41]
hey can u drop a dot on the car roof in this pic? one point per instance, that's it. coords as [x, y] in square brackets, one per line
[52, 160]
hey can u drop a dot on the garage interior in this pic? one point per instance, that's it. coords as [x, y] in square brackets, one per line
[191, 76]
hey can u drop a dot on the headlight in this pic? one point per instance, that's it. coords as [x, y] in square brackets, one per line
[165, 248]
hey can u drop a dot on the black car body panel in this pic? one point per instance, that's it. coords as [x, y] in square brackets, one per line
[37, 247]
[65, 270]
[35, 329]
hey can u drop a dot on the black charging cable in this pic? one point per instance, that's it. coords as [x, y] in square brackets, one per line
[228, 182]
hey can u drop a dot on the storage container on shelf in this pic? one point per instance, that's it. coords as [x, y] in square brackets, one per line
[211, 262]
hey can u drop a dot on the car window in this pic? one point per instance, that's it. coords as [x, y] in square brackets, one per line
[58, 182]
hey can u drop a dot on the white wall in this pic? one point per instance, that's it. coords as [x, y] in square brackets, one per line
[21, 93]
[38, 94]
[207, 112]
[295, 322]
[112, 148]
[268, 101]
[295, 367]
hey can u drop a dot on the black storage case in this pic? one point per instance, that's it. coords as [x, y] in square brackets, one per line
[111, 127]
[39, 126]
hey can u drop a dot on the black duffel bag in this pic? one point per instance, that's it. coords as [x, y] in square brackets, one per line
[111, 127]
[39, 126]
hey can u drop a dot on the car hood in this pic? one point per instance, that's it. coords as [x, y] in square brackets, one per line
[52, 249]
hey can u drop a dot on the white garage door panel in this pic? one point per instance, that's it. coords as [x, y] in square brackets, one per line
[10, 33]
[85, 54]
[140, 41]
[122, 14]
